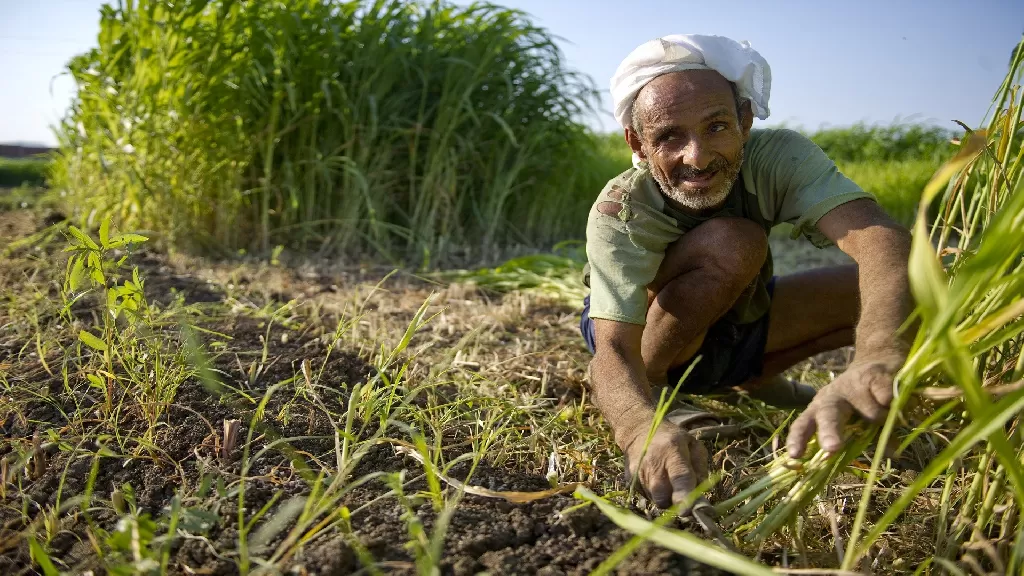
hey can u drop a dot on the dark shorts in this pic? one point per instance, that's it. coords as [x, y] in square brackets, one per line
[730, 355]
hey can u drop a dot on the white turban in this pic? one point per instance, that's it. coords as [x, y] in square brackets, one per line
[736, 61]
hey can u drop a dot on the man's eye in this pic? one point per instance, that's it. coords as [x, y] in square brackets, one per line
[718, 126]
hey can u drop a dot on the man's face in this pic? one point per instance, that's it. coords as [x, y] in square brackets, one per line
[692, 137]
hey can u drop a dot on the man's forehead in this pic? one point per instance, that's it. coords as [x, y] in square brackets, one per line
[669, 101]
[670, 116]
[701, 93]
[669, 88]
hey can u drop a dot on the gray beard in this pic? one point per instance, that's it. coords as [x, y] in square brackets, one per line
[707, 199]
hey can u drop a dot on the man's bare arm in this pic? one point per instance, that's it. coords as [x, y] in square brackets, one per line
[671, 465]
[881, 249]
[618, 377]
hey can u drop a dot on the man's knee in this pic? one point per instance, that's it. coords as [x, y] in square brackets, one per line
[736, 246]
[732, 249]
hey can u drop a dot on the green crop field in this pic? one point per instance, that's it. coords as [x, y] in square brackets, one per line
[22, 172]
[255, 324]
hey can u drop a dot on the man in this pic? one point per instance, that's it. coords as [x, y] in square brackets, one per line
[679, 265]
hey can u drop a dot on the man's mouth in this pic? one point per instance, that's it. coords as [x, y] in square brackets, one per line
[698, 180]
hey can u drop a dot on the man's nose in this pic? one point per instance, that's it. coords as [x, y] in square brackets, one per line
[696, 154]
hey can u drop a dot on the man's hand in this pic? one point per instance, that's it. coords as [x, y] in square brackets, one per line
[865, 388]
[675, 461]
[674, 464]
[881, 249]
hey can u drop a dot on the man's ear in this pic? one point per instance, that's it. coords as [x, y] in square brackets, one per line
[746, 117]
[633, 139]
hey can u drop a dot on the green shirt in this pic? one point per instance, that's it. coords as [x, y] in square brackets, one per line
[784, 178]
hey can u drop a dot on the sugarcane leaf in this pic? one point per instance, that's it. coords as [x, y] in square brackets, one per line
[678, 541]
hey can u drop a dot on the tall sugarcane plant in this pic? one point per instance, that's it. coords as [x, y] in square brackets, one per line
[403, 128]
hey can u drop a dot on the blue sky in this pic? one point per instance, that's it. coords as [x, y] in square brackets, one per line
[833, 63]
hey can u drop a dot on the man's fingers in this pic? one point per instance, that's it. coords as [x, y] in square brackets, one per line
[699, 459]
[867, 406]
[801, 431]
[866, 388]
[695, 471]
[682, 477]
[627, 471]
[662, 490]
[882, 392]
[676, 462]
[830, 418]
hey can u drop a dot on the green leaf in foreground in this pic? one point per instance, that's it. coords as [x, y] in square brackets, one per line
[76, 276]
[995, 417]
[40, 557]
[675, 540]
[125, 239]
[83, 238]
[105, 232]
[90, 340]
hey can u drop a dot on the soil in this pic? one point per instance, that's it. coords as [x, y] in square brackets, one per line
[495, 536]
[485, 535]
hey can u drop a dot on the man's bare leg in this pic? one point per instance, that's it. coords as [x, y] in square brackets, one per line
[702, 275]
[812, 312]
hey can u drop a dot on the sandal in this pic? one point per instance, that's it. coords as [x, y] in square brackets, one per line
[783, 393]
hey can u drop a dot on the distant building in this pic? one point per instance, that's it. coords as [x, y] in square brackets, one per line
[23, 150]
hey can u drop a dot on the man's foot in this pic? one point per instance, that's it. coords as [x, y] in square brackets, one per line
[782, 393]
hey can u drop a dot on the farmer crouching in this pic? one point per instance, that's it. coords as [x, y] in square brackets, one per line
[679, 265]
